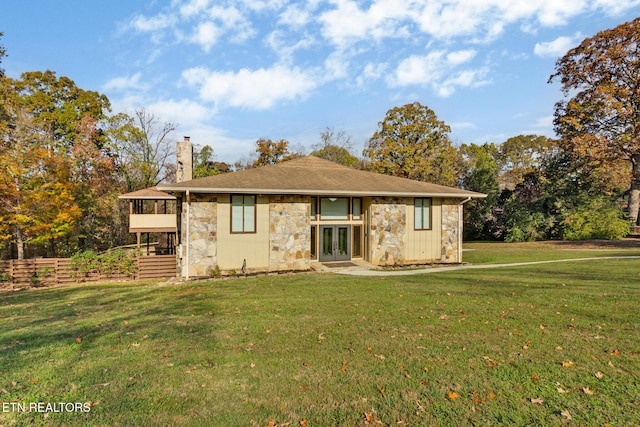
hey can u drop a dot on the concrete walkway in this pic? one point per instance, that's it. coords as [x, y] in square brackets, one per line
[365, 269]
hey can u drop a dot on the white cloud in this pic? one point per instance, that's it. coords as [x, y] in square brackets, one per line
[419, 70]
[439, 69]
[153, 24]
[466, 78]
[206, 35]
[285, 47]
[125, 83]
[253, 89]
[194, 7]
[557, 47]
[183, 112]
[295, 16]
[371, 72]
[347, 23]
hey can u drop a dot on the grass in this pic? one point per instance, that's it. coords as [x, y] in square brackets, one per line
[496, 253]
[532, 345]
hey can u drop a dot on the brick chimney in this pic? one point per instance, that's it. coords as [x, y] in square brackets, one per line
[184, 158]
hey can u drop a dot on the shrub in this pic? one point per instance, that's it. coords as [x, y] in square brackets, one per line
[597, 219]
[83, 263]
[108, 263]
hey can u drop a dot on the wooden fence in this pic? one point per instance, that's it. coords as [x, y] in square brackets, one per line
[54, 271]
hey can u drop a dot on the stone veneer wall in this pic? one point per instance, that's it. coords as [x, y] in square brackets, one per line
[289, 233]
[388, 234]
[451, 229]
[203, 235]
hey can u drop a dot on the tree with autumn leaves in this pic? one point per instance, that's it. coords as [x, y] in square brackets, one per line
[411, 142]
[50, 150]
[66, 160]
[599, 119]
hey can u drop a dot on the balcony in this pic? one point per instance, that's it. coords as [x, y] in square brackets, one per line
[152, 223]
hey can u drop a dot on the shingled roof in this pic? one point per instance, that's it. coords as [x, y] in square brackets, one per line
[315, 176]
[147, 194]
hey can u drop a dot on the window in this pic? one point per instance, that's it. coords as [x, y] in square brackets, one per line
[243, 214]
[334, 208]
[422, 217]
[357, 241]
[356, 207]
[314, 254]
[314, 208]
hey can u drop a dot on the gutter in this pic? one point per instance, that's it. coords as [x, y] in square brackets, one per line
[188, 238]
[324, 192]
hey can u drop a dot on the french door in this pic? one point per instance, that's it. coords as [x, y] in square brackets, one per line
[335, 243]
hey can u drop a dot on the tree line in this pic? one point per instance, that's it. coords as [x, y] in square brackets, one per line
[67, 157]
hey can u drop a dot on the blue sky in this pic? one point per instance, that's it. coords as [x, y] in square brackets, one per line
[231, 71]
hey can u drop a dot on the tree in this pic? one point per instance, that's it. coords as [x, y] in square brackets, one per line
[3, 53]
[335, 146]
[27, 197]
[481, 175]
[520, 155]
[412, 143]
[205, 165]
[142, 147]
[272, 152]
[599, 119]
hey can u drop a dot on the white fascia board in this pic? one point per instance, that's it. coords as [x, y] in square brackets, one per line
[318, 192]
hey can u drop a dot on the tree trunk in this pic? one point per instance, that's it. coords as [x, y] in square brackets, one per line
[634, 191]
[20, 242]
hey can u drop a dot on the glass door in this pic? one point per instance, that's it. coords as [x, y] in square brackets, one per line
[335, 242]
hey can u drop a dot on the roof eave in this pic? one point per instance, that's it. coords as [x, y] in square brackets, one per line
[320, 192]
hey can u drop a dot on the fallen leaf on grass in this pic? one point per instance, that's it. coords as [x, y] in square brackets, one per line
[599, 375]
[79, 340]
[303, 422]
[562, 391]
[567, 364]
[567, 415]
[271, 423]
[616, 352]
[452, 395]
[381, 390]
[537, 401]
[586, 390]
[5, 391]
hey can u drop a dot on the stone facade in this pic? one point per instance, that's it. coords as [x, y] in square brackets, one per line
[451, 231]
[388, 234]
[289, 233]
[202, 235]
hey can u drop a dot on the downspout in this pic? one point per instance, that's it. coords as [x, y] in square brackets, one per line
[460, 225]
[188, 234]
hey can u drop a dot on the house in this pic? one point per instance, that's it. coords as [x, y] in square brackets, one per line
[283, 217]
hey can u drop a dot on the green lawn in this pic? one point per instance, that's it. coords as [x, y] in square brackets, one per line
[550, 344]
